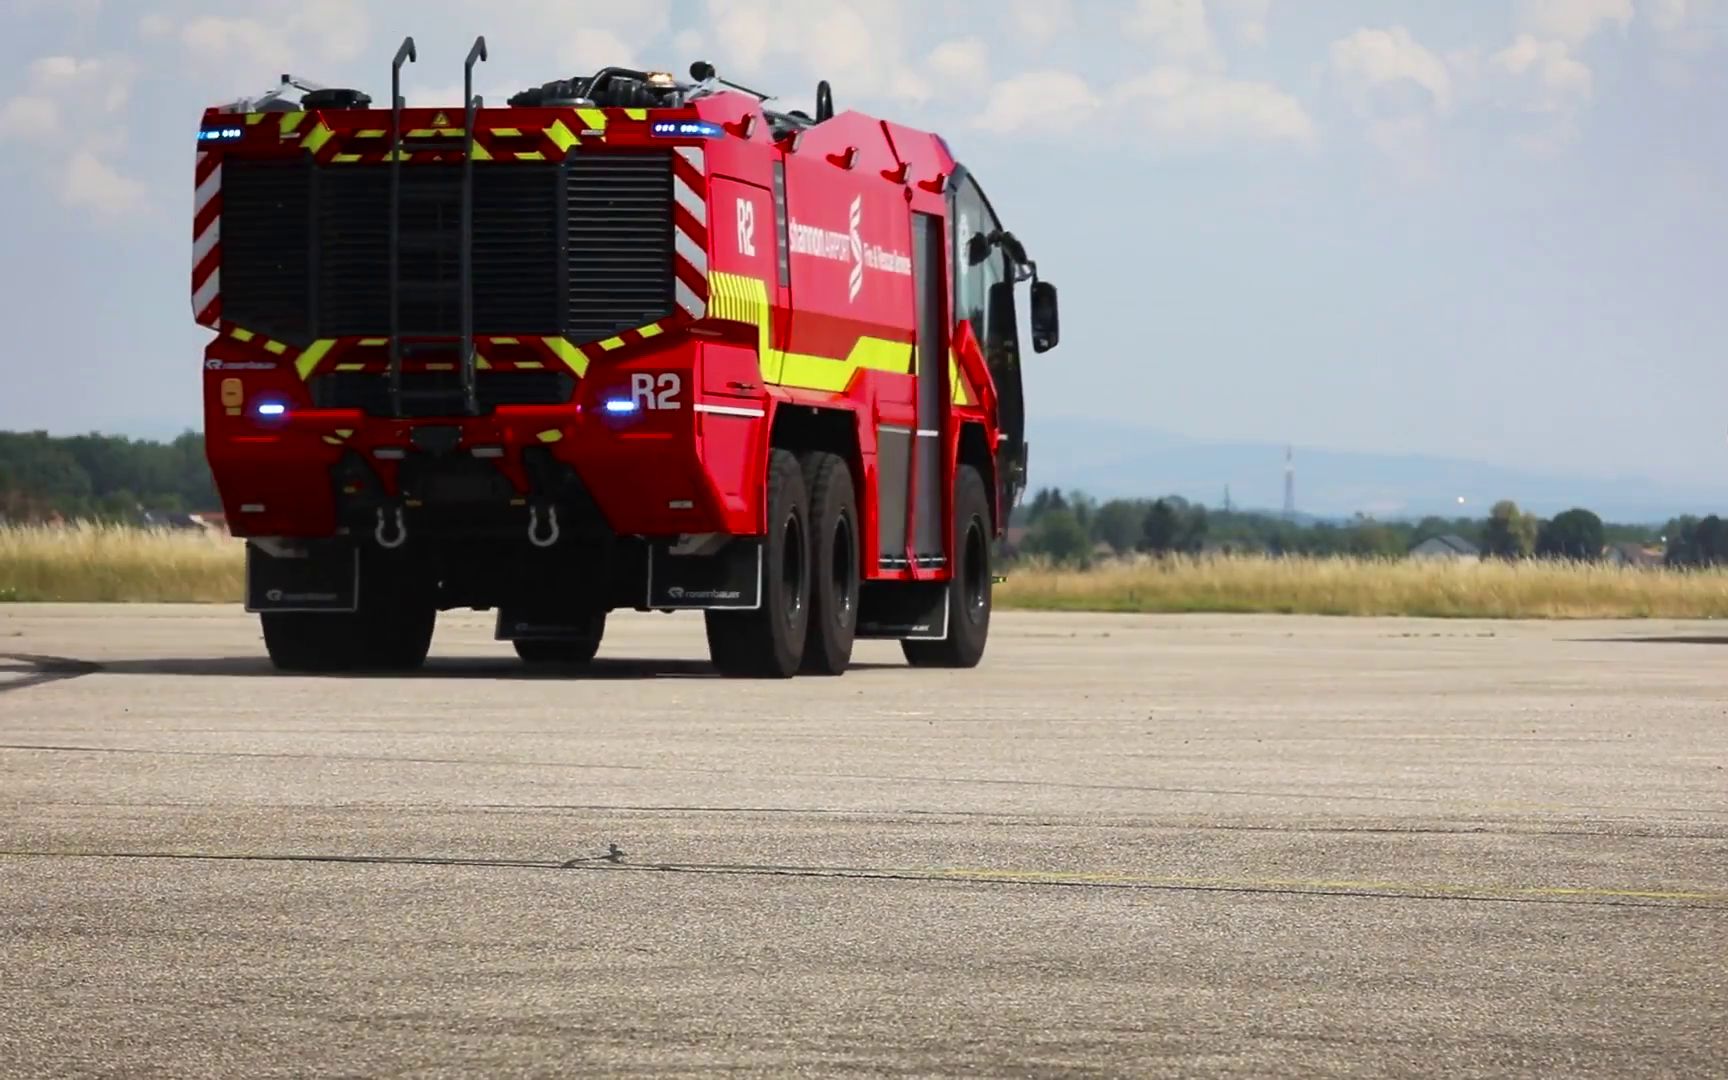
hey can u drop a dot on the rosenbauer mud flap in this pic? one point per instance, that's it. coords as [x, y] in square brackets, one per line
[322, 576]
[904, 611]
[708, 572]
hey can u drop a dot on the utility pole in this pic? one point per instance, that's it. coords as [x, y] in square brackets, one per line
[1289, 482]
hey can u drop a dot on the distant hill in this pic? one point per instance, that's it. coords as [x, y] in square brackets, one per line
[1112, 460]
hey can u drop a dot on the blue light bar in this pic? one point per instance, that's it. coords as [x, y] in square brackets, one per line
[272, 408]
[220, 135]
[688, 129]
[620, 405]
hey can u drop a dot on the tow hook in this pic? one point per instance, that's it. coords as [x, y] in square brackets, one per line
[534, 526]
[401, 530]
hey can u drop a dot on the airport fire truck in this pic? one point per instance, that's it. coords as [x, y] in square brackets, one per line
[631, 342]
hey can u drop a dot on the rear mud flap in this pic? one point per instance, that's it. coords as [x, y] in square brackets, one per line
[904, 611]
[324, 578]
[518, 625]
[724, 574]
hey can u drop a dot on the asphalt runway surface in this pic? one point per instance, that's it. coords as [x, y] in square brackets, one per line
[1124, 846]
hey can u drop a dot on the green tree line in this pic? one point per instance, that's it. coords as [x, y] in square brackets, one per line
[1073, 528]
[101, 477]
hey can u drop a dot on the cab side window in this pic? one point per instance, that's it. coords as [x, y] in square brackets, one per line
[973, 281]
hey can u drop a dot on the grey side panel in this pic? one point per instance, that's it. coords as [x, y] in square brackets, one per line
[893, 465]
[929, 538]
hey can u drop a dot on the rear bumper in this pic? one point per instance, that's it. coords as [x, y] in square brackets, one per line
[318, 472]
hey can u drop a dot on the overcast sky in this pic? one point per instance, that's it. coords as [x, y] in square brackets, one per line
[1494, 229]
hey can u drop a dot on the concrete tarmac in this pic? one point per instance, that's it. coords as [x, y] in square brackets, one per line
[1124, 846]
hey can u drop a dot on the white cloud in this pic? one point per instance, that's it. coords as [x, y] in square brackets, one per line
[1551, 78]
[1572, 21]
[1178, 30]
[1200, 108]
[1041, 20]
[91, 184]
[1376, 68]
[1025, 101]
[1179, 108]
[64, 86]
[965, 60]
[1247, 18]
[29, 118]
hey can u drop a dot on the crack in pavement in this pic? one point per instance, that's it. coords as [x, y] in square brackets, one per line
[1576, 896]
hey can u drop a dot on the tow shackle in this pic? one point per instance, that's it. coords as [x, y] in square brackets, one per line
[534, 536]
[401, 530]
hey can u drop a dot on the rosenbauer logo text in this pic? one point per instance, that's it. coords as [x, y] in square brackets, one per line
[848, 247]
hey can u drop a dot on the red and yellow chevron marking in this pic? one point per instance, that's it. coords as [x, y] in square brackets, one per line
[492, 353]
[552, 140]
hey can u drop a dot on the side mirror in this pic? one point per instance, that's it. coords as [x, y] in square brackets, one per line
[1045, 325]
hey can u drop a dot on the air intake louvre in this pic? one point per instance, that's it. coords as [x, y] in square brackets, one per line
[266, 286]
[618, 246]
[582, 248]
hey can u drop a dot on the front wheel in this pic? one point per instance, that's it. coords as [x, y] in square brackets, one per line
[834, 558]
[969, 590]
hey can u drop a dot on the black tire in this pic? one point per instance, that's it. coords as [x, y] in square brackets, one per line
[970, 589]
[564, 651]
[769, 642]
[391, 631]
[835, 551]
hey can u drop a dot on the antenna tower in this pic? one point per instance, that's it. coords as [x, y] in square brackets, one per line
[1289, 482]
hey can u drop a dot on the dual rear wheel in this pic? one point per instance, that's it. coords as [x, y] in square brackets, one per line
[810, 589]
[808, 620]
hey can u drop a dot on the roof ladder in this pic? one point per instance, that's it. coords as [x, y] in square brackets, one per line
[405, 53]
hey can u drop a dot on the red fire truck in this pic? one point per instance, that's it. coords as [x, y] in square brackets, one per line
[630, 342]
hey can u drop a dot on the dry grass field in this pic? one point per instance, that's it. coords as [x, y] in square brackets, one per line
[93, 563]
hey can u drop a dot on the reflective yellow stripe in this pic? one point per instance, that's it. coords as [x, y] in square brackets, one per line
[530, 365]
[276, 347]
[481, 363]
[253, 118]
[506, 341]
[350, 367]
[743, 299]
[317, 137]
[592, 119]
[572, 357]
[374, 341]
[346, 158]
[636, 114]
[314, 353]
[550, 436]
[530, 155]
[651, 330]
[612, 343]
[507, 133]
[956, 385]
[240, 334]
[371, 133]
[561, 136]
[291, 122]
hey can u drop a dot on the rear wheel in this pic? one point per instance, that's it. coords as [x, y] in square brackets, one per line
[969, 590]
[834, 555]
[391, 631]
[769, 642]
[564, 651]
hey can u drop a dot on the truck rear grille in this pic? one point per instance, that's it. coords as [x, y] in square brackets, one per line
[429, 393]
[581, 248]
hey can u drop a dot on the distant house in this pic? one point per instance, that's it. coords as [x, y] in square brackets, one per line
[1449, 546]
[1632, 555]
